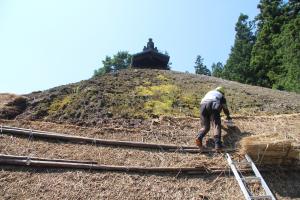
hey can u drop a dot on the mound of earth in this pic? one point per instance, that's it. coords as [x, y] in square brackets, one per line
[133, 95]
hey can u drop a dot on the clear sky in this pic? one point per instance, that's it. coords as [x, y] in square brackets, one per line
[47, 43]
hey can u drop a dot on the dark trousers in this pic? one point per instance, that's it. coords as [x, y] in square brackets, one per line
[209, 114]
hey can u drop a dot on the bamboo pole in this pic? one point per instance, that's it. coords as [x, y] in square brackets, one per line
[60, 164]
[97, 167]
[81, 139]
[29, 158]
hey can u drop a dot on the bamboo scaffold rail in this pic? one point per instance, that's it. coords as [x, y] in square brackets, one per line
[30, 158]
[95, 141]
[46, 163]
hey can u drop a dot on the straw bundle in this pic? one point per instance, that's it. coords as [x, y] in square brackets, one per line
[269, 150]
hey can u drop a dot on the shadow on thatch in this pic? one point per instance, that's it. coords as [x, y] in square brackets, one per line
[233, 135]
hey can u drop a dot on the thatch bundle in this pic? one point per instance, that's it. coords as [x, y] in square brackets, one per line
[271, 149]
[11, 105]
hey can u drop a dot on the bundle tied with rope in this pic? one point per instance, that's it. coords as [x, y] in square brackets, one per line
[271, 149]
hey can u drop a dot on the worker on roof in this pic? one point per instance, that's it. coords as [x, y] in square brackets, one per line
[210, 108]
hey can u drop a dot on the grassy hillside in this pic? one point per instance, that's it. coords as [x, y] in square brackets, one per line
[143, 94]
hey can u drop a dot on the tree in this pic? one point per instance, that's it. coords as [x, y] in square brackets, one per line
[200, 68]
[288, 51]
[108, 64]
[99, 72]
[275, 47]
[119, 61]
[275, 56]
[217, 69]
[169, 64]
[264, 62]
[237, 67]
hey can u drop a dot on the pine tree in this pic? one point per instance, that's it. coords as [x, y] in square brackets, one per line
[264, 63]
[217, 69]
[237, 67]
[288, 51]
[200, 68]
[276, 54]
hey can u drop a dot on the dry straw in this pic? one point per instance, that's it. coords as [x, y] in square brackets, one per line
[271, 149]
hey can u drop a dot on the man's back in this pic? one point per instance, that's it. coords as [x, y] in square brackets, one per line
[212, 95]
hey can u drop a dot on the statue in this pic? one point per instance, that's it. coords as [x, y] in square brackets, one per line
[150, 46]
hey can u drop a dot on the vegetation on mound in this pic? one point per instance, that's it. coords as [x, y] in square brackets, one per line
[160, 99]
[143, 94]
[60, 104]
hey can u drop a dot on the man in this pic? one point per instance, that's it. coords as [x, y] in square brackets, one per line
[210, 108]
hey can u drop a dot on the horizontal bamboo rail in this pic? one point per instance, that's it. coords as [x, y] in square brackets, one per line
[45, 163]
[53, 163]
[95, 141]
[30, 158]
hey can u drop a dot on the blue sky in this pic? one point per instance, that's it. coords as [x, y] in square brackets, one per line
[47, 43]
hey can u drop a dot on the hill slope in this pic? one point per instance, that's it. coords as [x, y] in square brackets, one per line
[142, 94]
[113, 107]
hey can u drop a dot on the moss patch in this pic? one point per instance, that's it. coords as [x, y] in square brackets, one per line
[160, 98]
[59, 104]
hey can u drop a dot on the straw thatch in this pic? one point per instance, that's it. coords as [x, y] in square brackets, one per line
[270, 149]
[36, 183]
[11, 105]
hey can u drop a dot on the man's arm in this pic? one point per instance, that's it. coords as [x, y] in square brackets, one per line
[225, 108]
[226, 111]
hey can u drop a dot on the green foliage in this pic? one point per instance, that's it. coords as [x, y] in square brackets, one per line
[237, 67]
[200, 68]
[275, 56]
[264, 62]
[119, 61]
[289, 54]
[169, 64]
[271, 58]
[217, 69]
[59, 104]
[99, 72]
